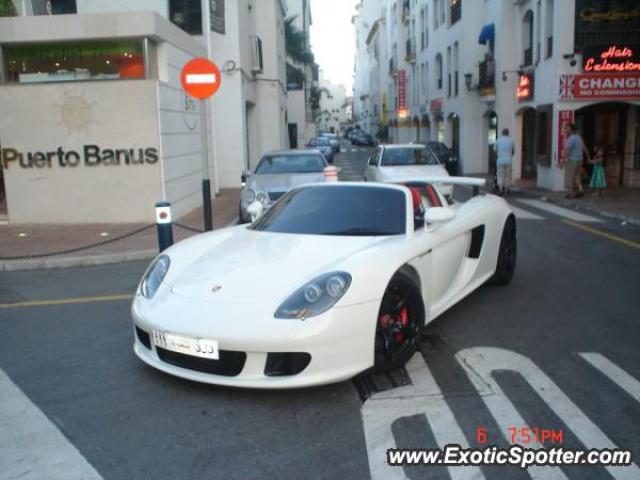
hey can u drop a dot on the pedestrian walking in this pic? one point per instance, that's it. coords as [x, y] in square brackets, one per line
[598, 180]
[504, 155]
[574, 149]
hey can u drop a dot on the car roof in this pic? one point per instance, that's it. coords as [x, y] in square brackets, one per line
[417, 146]
[292, 152]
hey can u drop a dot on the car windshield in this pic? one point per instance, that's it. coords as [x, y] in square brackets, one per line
[307, 163]
[408, 156]
[319, 142]
[337, 210]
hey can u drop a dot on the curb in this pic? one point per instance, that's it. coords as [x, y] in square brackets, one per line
[47, 263]
[67, 262]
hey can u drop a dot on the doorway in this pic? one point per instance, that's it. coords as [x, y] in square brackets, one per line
[528, 144]
[491, 120]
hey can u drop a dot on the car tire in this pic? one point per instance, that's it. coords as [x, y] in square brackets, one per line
[399, 324]
[241, 216]
[507, 254]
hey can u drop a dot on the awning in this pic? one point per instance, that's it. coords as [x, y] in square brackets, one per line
[487, 34]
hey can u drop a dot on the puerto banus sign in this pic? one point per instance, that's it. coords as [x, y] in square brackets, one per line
[90, 156]
[595, 86]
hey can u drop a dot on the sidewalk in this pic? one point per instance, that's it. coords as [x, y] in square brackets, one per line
[34, 244]
[618, 203]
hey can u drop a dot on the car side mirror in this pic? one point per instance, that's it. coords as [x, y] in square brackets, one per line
[245, 174]
[436, 215]
[255, 210]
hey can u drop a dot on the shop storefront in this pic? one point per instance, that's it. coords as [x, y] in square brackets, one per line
[94, 126]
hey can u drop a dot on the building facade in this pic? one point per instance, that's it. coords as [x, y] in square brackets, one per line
[301, 124]
[103, 79]
[333, 106]
[460, 71]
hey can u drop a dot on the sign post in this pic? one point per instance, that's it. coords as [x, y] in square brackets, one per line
[200, 78]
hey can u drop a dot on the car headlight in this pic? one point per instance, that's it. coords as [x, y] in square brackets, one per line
[154, 276]
[315, 297]
[249, 196]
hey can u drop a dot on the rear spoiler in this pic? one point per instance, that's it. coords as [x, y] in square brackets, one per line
[474, 182]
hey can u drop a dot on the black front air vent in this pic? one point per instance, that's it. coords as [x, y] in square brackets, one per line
[477, 238]
[229, 364]
[282, 364]
[143, 337]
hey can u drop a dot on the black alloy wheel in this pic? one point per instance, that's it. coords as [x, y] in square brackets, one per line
[399, 325]
[507, 254]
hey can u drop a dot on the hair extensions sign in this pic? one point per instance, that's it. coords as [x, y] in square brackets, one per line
[611, 58]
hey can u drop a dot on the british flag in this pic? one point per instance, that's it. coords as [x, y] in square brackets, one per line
[566, 86]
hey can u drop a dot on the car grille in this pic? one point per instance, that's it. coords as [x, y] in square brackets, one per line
[273, 196]
[229, 364]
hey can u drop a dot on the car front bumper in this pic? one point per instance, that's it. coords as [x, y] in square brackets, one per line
[340, 342]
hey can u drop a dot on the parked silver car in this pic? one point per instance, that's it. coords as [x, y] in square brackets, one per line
[277, 173]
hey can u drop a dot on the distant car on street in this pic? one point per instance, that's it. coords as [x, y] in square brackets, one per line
[323, 144]
[277, 173]
[445, 156]
[389, 163]
[333, 140]
[358, 137]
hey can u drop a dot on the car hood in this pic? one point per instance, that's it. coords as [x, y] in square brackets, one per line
[413, 171]
[282, 182]
[248, 266]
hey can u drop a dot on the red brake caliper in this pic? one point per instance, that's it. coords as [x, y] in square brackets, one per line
[404, 320]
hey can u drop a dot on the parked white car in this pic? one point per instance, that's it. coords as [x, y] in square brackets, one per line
[334, 279]
[390, 163]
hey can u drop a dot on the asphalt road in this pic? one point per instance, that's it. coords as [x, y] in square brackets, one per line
[557, 349]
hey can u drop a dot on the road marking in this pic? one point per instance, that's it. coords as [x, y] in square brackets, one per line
[201, 78]
[606, 235]
[525, 214]
[31, 447]
[424, 397]
[67, 301]
[486, 360]
[560, 211]
[616, 374]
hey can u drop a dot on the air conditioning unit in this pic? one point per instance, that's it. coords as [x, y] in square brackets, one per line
[257, 65]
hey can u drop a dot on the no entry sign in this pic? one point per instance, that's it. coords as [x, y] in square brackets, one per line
[200, 78]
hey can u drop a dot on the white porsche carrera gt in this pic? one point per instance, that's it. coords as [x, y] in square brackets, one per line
[334, 279]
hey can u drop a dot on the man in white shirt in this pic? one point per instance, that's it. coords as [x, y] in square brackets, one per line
[504, 152]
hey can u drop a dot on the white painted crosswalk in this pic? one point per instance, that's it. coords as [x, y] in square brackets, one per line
[480, 364]
[560, 211]
[31, 446]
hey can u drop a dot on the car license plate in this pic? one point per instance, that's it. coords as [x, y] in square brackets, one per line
[199, 347]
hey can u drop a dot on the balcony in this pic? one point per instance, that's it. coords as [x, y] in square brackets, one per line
[410, 51]
[487, 77]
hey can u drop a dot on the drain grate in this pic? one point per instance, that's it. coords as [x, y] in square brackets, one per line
[370, 383]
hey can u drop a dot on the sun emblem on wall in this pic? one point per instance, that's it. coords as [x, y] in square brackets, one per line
[76, 113]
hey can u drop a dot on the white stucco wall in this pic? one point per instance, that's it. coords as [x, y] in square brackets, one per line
[111, 115]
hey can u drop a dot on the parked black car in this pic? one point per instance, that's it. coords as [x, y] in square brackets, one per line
[358, 137]
[445, 155]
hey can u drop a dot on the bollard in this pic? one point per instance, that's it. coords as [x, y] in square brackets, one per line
[330, 174]
[165, 227]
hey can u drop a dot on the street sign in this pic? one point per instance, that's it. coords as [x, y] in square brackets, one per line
[200, 78]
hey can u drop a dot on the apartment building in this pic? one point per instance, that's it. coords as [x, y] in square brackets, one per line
[99, 81]
[333, 105]
[459, 71]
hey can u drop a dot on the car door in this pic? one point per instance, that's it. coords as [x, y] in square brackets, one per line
[371, 170]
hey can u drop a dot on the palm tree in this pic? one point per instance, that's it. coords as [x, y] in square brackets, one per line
[7, 9]
[296, 43]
